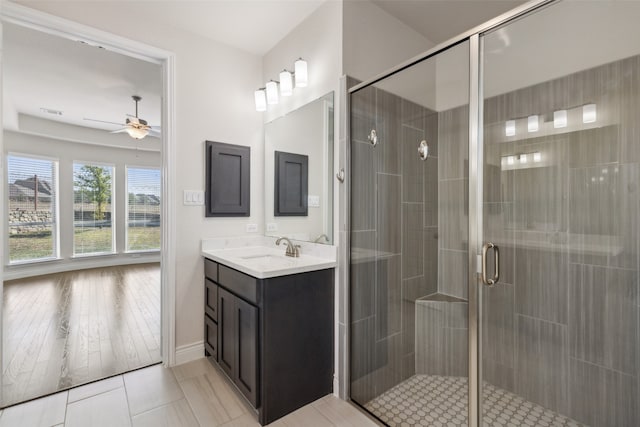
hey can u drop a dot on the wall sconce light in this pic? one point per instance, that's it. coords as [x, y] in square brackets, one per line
[300, 70]
[532, 123]
[272, 92]
[510, 128]
[589, 113]
[261, 100]
[520, 161]
[268, 95]
[560, 119]
[286, 83]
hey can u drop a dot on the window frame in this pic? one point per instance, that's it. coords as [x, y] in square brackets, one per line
[114, 250]
[126, 209]
[55, 232]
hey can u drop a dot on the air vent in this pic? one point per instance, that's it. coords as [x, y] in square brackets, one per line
[50, 111]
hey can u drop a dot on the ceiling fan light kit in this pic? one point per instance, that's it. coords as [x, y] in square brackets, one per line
[134, 126]
[268, 95]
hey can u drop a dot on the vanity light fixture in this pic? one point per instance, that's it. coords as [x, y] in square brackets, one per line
[532, 123]
[272, 92]
[560, 119]
[589, 113]
[300, 70]
[510, 128]
[261, 100]
[286, 83]
[268, 95]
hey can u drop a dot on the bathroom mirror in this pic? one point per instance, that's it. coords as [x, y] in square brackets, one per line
[298, 169]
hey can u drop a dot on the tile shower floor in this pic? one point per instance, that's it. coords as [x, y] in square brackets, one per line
[432, 400]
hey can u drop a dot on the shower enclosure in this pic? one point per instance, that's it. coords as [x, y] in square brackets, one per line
[495, 209]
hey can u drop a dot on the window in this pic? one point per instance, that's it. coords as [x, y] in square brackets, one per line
[92, 209]
[33, 227]
[143, 209]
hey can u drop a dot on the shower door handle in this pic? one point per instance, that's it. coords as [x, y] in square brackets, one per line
[496, 259]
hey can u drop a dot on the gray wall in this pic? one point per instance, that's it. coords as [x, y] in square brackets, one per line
[562, 329]
[393, 236]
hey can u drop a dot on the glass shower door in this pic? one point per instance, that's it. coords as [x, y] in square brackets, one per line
[560, 330]
[409, 243]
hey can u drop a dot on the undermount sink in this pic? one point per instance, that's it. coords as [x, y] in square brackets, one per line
[275, 259]
[265, 256]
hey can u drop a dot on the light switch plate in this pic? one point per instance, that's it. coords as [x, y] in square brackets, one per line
[193, 197]
[272, 226]
[252, 228]
[313, 201]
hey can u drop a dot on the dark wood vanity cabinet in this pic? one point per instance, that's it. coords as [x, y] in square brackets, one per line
[274, 336]
[238, 343]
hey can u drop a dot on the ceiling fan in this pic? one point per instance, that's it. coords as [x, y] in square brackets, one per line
[136, 127]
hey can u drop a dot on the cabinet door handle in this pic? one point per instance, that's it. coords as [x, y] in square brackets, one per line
[496, 259]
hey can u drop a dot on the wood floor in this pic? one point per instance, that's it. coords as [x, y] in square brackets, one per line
[66, 329]
[190, 395]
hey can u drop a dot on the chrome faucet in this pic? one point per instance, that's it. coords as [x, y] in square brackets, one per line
[292, 250]
[320, 238]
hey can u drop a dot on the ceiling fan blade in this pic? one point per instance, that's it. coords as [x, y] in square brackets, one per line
[102, 121]
[119, 130]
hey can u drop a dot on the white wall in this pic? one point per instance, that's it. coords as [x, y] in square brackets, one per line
[66, 152]
[375, 41]
[214, 101]
[318, 39]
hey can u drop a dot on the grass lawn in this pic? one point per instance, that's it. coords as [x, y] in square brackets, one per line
[88, 240]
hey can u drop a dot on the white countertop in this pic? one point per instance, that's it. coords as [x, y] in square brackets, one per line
[261, 258]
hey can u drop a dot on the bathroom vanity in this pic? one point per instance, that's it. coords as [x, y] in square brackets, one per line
[269, 323]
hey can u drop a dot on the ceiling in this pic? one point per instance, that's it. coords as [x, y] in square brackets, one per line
[48, 72]
[440, 20]
[44, 72]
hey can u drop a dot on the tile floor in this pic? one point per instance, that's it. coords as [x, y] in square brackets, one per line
[193, 394]
[433, 400]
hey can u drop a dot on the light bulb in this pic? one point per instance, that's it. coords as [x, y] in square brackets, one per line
[137, 133]
[523, 158]
[537, 157]
[589, 113]
[560, 119]
[532, 123]
[511, 160]
[286, 83]
[300, 69]
[261, 100]
[272, 92]
[510, 128]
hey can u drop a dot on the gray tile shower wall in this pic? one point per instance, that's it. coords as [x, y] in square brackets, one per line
[562, 330]
[394, 236]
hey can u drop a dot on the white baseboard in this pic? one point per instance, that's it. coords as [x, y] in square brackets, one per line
[22, 271]
[189, 352]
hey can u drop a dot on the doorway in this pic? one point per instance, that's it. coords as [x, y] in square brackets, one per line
[102, 260]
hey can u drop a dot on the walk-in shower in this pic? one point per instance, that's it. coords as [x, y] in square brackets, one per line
[522, 137]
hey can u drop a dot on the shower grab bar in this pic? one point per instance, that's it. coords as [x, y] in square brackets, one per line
[496, 259]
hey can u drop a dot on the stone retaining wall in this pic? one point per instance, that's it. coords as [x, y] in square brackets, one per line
[25, 221]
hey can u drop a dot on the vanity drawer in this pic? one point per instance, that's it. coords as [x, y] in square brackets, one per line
[211, 337]
[211, 270]
[211, 299]
[242, 285]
